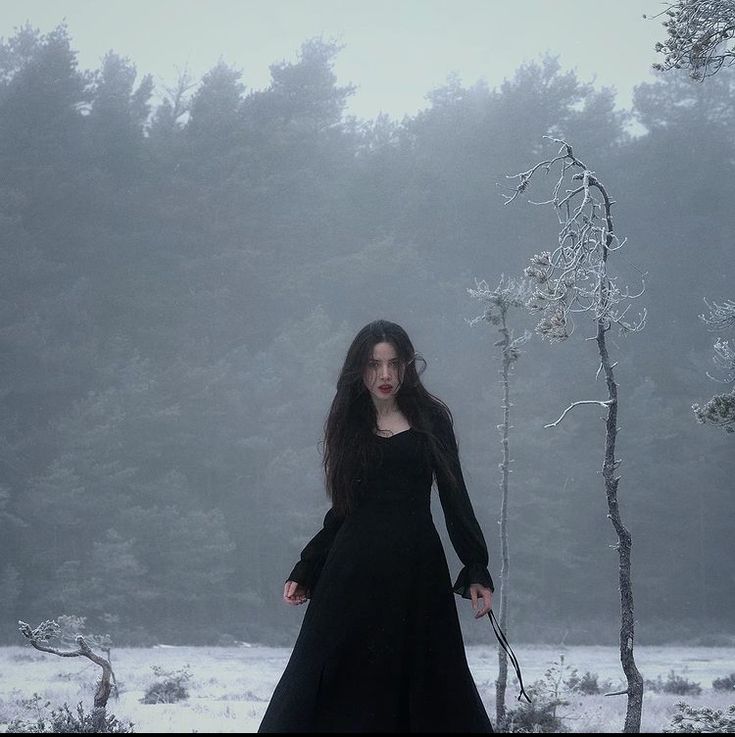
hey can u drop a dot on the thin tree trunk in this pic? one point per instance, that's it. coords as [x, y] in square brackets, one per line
[703, 608]
[627, 623]
[577, 256]
[502, 682]
[635, 681]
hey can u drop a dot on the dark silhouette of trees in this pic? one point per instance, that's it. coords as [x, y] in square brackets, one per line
[178, 280]
[700, 39]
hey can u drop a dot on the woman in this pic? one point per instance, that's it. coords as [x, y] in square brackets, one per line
[380, 647]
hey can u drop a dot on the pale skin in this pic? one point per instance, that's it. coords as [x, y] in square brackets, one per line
[383, 370]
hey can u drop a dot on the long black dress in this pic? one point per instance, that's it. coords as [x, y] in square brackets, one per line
[380, 647]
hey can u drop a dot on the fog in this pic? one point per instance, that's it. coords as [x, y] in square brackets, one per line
[185, 261]
[394, 53]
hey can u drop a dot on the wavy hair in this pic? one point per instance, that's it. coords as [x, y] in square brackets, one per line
[351, 423]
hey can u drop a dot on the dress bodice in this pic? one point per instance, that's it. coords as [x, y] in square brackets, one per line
[401, 470]
[397, 483]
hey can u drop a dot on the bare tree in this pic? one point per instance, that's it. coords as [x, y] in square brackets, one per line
[720, 410]
[497, 302]
[575, 279]
[178, 94]
[71, 626]
[176, 103]
[49, 630]
[699, 38]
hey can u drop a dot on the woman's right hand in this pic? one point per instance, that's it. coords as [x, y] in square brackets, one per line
[294, 593]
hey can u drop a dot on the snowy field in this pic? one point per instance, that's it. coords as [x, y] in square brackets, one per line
[230, 687]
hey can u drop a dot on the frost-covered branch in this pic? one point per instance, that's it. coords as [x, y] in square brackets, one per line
[699, 38]
[496, 302]
[601, 403]
[50, 630]
[574, 277]
[724, 359]
[720, 410]
[721, 316]
[509, 293]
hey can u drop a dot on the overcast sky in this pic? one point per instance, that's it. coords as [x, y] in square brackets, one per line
[395, 50]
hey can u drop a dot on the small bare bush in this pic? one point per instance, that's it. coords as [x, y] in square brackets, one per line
[169, 688]
[585, 684]
[538, 716]
[547, 695]
[724, 684]
[62, 720]
[674, 684]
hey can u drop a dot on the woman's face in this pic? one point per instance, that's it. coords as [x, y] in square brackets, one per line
[383, 372]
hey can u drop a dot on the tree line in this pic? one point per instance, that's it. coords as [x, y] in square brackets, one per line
[182, 275]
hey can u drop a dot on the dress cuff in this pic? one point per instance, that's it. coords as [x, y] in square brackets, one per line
[473, 573]
[306, 573]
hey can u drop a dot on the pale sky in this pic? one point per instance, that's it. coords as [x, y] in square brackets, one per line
[395, 50]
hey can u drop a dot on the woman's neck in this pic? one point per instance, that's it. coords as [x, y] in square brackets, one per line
[386, 408]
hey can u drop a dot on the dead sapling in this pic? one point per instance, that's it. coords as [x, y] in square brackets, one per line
[71, 625]
[49, 630]
[575, 280]
[509, 294]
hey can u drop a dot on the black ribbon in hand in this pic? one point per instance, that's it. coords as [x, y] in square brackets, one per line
[503, 640]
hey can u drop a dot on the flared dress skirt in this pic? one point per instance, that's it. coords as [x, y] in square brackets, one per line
[380, 647]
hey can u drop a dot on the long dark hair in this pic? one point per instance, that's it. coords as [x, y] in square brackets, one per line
[351, 424]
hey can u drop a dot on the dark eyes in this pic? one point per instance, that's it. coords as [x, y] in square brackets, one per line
[374, 364]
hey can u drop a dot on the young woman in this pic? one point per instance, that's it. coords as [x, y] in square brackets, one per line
[380, 647]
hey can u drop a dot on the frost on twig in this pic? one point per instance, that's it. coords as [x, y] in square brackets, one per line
[721, 316]
[574, 278]
[720, 410]
[496, 302]
[599, 402]
[509, 293]
[699, 37]
[724, 359]
[51, 630]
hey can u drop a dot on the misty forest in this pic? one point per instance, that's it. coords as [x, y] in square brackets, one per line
[184, 268]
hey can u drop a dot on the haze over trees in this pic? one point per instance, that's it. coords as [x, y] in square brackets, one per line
[180, 280]
[700, 38]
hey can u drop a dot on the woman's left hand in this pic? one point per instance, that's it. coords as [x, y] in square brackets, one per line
[482, 599]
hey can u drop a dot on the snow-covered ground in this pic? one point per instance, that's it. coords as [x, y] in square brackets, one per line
[230, 687]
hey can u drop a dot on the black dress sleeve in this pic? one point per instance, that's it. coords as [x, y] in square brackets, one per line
[306, 572]
[462, 526]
